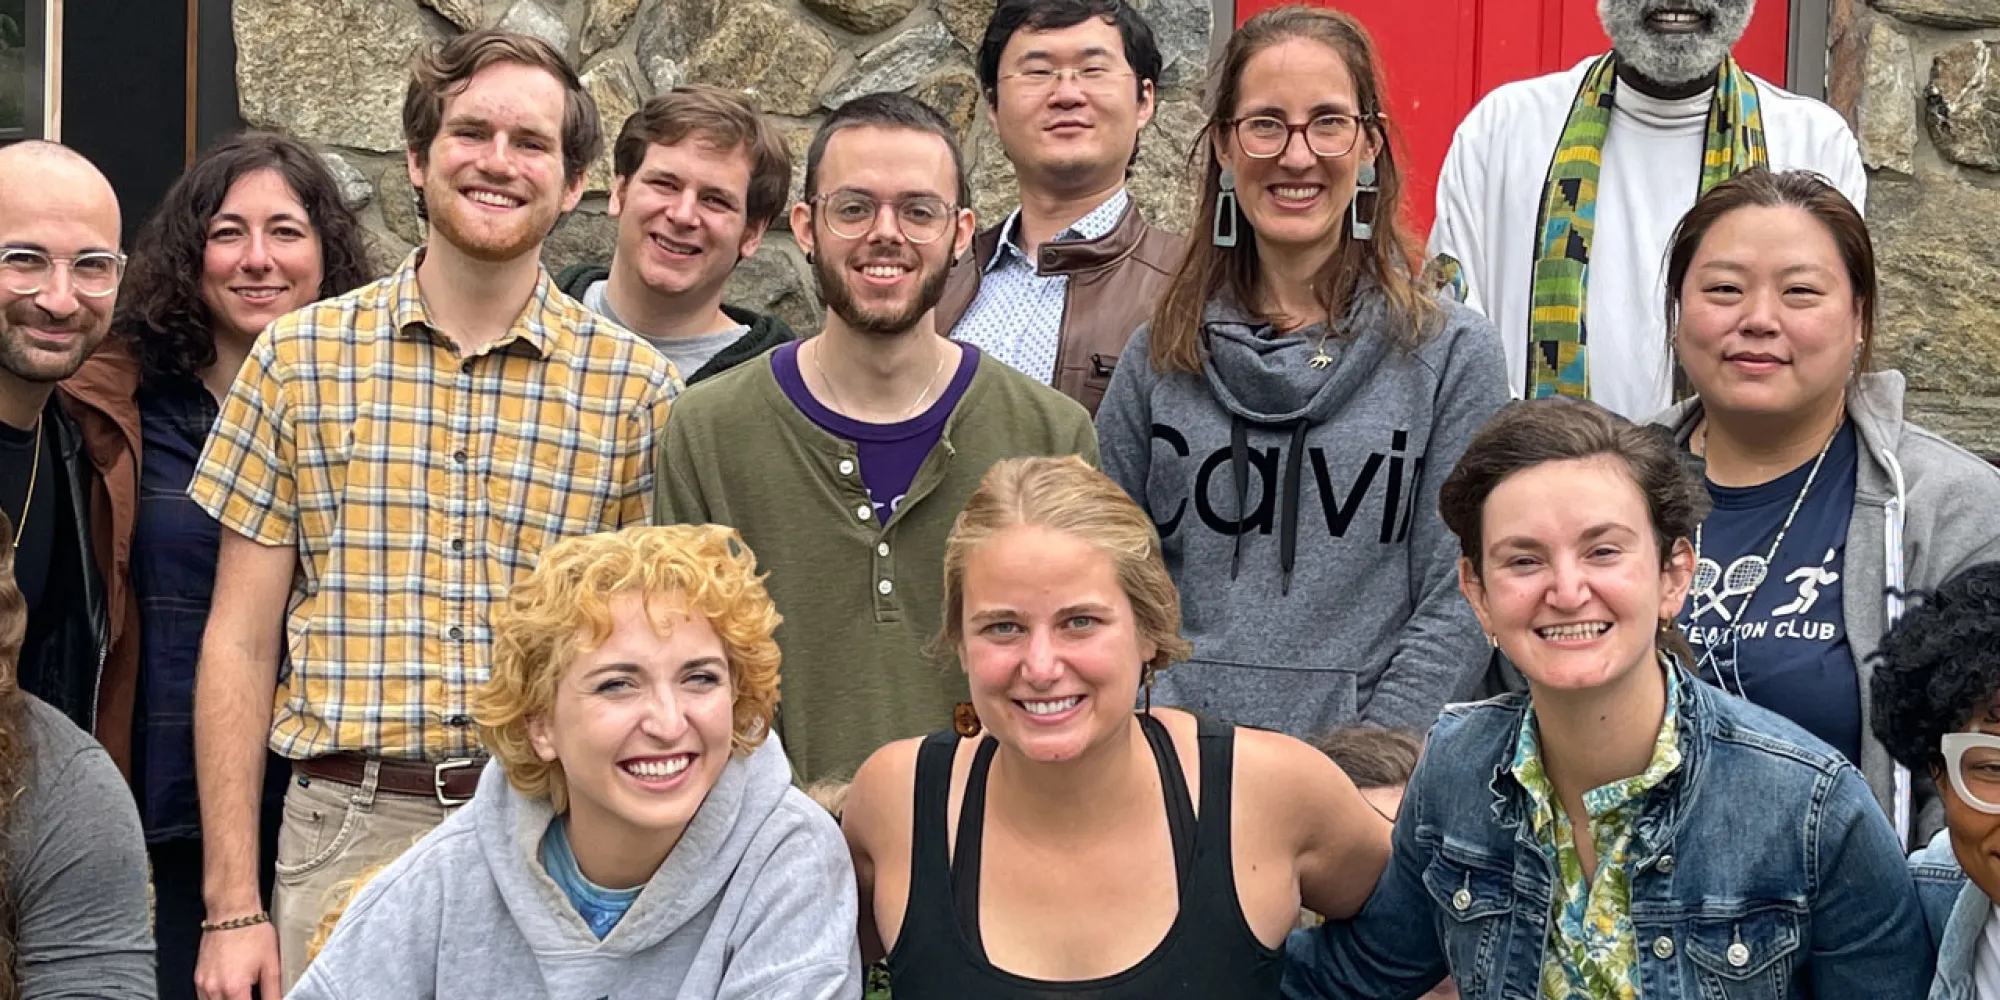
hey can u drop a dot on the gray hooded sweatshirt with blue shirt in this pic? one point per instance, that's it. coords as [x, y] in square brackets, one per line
[1297, 509]
[756, 900]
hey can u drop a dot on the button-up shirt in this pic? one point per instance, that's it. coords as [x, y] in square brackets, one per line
[1018, 315]
[1593, 950]
[418, 485]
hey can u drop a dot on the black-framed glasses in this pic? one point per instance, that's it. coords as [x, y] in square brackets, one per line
[851, 214]
[95, 274]
[1264, 137]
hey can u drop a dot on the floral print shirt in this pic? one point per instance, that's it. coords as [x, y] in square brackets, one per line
[1592, 951]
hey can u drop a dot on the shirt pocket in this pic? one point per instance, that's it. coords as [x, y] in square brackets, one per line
[546, 490]
[1474, 897]
[1746, 957]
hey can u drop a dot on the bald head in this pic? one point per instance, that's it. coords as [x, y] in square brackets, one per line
[54, 208]
[37, 171]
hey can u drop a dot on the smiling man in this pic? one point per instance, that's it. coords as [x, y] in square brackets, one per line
[1615, 151]
[844, 459]
[68, 446]
[388, 463]
[700, 178]
[1057, 289]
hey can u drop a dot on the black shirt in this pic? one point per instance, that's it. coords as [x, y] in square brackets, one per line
[18, 473]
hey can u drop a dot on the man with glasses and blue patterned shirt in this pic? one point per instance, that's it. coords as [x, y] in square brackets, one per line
[1057, 289]
[844, 459]
[68, 445]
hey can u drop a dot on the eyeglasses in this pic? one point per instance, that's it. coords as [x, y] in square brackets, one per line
[1264, 137]
[27, 272]
[1089, 79]
[1973, 761]
[851, 214]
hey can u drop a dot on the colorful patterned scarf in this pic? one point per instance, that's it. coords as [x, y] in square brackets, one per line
[1558, 335]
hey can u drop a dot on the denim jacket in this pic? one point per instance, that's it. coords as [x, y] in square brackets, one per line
[1955, 911]
[1764, 870]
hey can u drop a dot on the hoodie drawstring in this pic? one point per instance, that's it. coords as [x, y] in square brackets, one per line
[1288, 509]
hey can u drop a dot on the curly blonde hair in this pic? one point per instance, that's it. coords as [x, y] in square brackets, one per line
[563, 609]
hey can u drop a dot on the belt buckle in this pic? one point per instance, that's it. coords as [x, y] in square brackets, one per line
[437, 780]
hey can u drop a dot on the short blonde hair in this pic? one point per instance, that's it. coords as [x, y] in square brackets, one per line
[1067, 495]
[563, 609]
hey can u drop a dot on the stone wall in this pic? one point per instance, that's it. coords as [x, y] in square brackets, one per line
[1921, 81]
[333, 71]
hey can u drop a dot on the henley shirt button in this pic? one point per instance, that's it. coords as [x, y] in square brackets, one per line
[1738, 955]
[882, 549]
[863, 512]
[1663, 948]
[885, 586]
[846, 467]
[455, 633]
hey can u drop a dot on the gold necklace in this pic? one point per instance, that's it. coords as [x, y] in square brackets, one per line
[834, 397]
[34, 471]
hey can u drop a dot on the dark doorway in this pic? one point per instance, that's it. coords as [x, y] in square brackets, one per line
[125, 95]
[22, 62]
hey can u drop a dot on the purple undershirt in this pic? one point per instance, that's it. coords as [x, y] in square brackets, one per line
[890, 454]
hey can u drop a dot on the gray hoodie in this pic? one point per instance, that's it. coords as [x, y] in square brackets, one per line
[1297, 509]
[757, 900]
[1923, 510]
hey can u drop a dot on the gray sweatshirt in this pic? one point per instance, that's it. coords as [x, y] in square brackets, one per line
[1317, 582]
[757, 900]
[1923, 510]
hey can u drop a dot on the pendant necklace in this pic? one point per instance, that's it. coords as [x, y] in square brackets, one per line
[34, 471]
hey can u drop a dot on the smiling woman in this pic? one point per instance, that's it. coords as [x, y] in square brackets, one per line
[1598, 820]
[1828, 504]
[1082, 864]
[638, 824]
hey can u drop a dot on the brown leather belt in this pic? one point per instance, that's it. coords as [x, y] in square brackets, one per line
[450, 782]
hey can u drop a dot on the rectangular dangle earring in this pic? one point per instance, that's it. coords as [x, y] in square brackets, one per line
[1364, 183]
[1223, 233]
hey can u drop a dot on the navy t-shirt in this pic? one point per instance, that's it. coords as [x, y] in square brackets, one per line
[1787, 650]
[890, 454]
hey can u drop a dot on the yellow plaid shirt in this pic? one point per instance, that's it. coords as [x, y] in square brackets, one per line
[417, 486]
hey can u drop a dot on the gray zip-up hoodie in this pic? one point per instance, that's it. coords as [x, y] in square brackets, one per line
[1924, 509]
[756, 900]
[1297, 508]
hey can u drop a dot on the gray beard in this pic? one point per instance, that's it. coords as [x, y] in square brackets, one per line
[1674, 60]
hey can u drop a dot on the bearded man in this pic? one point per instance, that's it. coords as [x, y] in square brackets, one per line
[1560, 193]
[844, 459]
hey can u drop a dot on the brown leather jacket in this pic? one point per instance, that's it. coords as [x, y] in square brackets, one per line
[102, 399]
[1114, 283]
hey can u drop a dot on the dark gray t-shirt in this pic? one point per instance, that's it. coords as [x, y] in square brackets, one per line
[76, 868]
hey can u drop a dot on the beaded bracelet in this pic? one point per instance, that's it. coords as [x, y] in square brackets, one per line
[237, 923]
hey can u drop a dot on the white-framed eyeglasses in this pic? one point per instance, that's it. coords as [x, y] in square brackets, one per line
[1973, 762]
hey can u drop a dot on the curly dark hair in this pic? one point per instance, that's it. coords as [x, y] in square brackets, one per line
[1938, 667]
[162, 319]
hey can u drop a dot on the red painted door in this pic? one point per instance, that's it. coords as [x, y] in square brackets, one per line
[1442, 56]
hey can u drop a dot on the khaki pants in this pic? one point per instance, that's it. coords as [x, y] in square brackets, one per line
[335, 837]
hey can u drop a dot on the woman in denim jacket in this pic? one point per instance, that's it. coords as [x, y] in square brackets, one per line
[1936, 695]
[1620, 830]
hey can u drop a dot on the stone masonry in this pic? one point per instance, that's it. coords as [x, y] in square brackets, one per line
[333, 71]
[1920, 79]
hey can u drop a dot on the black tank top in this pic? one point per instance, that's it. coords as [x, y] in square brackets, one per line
[1209, 952]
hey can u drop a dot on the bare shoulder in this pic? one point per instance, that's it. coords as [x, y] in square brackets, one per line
[880, 798]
